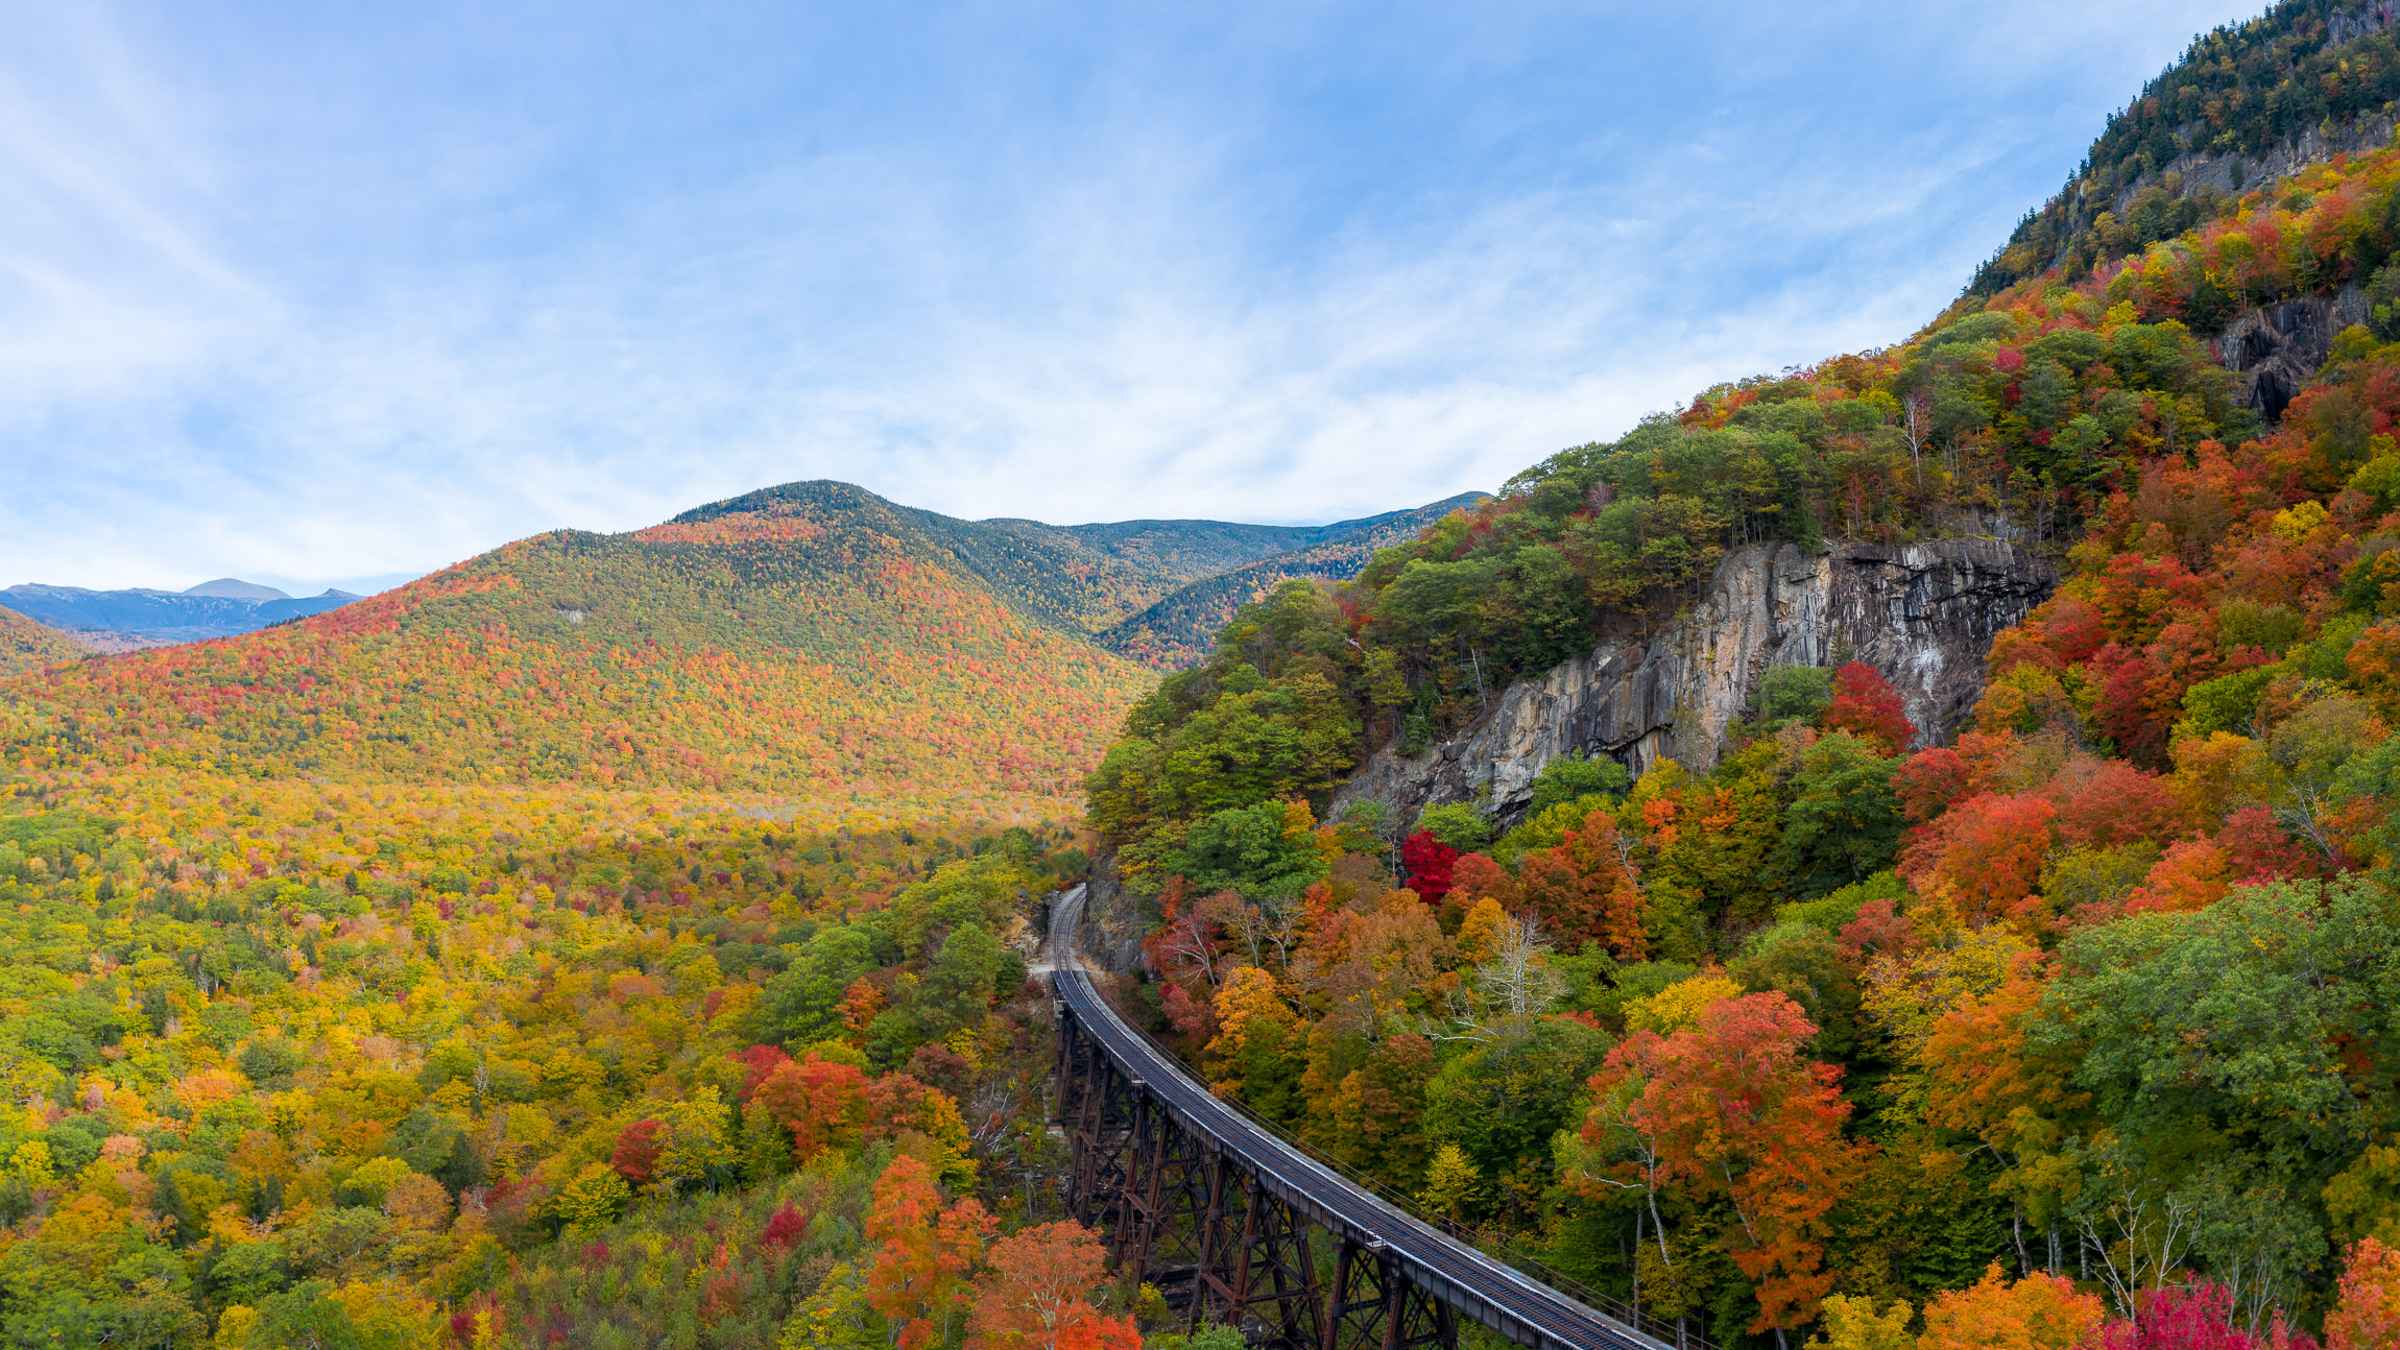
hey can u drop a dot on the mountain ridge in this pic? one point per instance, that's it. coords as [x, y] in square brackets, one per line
[234, 588]
[1094, 581]
[1091, 579]
[810, 640]
[146, 616]
[1177, 629]
[2246, 103]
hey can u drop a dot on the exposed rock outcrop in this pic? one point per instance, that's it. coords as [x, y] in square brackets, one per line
[1115, 920]
[2219, 176]
[1923, 614]
[2277, 349]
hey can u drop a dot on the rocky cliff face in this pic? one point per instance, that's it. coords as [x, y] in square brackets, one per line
[1923, 614]
[1115, 920]
[2278, 348]
[2222, 176]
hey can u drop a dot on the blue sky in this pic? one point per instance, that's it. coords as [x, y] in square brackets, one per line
[310, 293]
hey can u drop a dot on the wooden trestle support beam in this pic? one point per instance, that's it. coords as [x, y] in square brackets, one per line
[1189, 1218]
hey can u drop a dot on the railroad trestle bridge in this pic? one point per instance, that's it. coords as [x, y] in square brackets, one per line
[1227, 1219]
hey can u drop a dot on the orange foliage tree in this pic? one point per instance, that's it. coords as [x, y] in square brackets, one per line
[1583, 891]
[1732, 1111]
[2038, 1312]
[2366, 1313]
[1036, 1294]
[925, 1253]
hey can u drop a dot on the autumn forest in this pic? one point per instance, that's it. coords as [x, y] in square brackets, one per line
[634, 939]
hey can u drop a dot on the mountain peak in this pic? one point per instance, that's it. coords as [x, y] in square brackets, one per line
[1087, 580]
[234, 588]
[827, 492]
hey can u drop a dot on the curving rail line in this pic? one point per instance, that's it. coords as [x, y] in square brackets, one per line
[1476, 1286]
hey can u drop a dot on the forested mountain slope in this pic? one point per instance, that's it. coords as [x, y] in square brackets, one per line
[1176, 631]
[2247, 104]
[784, 655]
[604, 942]
[27, 645]
[1194, 550]
[807, 641]
[1083, 579]
[2068, 1032]
[293, 1063]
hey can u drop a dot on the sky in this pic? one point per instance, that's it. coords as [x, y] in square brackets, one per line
[333, 294]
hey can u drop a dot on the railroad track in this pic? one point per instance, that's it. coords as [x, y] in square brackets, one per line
[1471, 1284]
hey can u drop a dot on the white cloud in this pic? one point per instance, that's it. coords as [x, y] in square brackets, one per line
[305, 318]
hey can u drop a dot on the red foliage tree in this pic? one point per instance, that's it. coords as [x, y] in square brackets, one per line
[1987, 850]
[1582, 890]
[636, 1155]
[937, 1065]
[1879, 930]
[821, 1103]
[1928, 781]
[2260, 849]
[2111, 802]
[757, 1062]
[1429, 862]
[1475, 876]
[2073, 629]
[1865, 705]
[2136, 702]
[785, 1227]
[1186, 950]
[2199, 1317]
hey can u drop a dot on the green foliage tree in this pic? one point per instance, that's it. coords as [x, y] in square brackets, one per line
[1255, 850]
[1794, 693]
[1842, 824]
[1571, 778]
[1458, 825]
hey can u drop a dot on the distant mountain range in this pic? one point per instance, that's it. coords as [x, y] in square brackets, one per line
[1155, 591]
[234, 588]
[1177, 629]
[122, 620]
[1152, 590]
[812, 640]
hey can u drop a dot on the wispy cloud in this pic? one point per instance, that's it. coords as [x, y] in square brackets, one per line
[307, 303]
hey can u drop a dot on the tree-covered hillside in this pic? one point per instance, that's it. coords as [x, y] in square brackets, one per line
[26, 645]
[1088, 580]
[2037, 409]
[2073, 1033]
[741, 654]
[1176, 631]
[417, 1066]
[605, 942]
[2304, 79]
